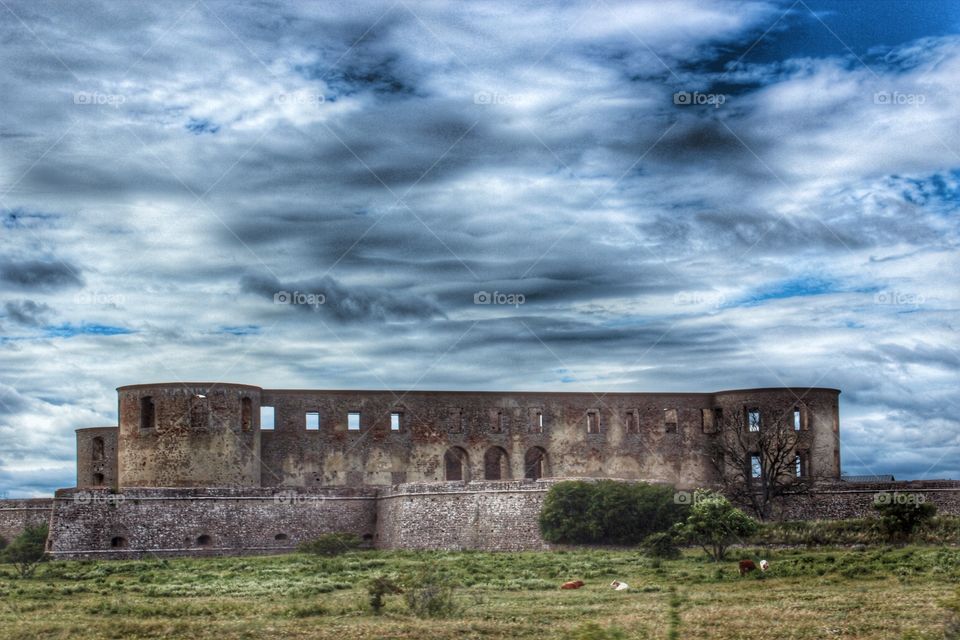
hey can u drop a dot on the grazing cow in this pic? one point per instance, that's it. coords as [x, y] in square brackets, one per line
[619, 586]
[746, 566]
[573, 584]
[764, 565]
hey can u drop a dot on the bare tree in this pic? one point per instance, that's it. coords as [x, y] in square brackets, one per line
[760, 457]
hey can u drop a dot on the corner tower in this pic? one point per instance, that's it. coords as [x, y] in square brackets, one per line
[192, 434]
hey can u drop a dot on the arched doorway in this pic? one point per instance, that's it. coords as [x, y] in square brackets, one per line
[535, 464]
[496, 464]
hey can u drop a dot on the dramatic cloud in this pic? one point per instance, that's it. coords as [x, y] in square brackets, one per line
[608, 197]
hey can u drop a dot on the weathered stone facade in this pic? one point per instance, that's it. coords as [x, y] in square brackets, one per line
[17, 515]
[191, 470]
[209, 435]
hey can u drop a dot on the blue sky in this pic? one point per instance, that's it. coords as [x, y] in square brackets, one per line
[598, 196]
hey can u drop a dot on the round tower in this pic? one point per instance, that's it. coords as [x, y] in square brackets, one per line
[192, 434]
[812, 412]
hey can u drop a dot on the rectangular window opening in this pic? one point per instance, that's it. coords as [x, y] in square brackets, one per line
[394, 422]
[267, 416]
[756, 467]
[538, 422]
[670, 420]
[455, 420]
[353, 421]
[753, 419]
[593, 422]
[797, 422]
[148, 415]
[706, 420]
[312, 421]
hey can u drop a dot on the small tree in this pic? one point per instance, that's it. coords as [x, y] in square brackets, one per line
[756, 463]
[661, 545]
[378, 589]
[714, 524]
[27, 550]
[901, 514]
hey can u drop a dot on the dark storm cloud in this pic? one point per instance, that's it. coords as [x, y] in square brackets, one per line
[26, 312]
[198, 159]
[40, 275]
[330, 298]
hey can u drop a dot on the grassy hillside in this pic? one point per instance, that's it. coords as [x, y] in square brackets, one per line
[880, 593]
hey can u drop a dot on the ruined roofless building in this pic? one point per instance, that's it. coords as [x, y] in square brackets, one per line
[195, 469]
[213, 435]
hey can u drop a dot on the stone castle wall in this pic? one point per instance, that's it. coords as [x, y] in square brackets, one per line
[494, 516]
[17, 515]
[184, 522]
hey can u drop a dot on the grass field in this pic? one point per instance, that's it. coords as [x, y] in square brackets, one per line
[881, 593]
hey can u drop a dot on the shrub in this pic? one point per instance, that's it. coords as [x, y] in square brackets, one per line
[607, 512]
[429, 593]
[332, 544]
[661, 545]
[902, 514]
[715, 524]
[27, 550]
[378, 589]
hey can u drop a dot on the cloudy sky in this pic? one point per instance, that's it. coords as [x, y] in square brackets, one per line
[664, 196]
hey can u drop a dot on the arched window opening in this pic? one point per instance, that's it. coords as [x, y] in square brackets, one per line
[456, 465]
[118, 542]
[535, 464]
[98, 479]
[204, 541]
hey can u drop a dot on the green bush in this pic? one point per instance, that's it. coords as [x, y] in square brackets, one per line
[662, 544]
[607, 512]
[332, 544]
[902, 514]
[429, 593]
[27, 550]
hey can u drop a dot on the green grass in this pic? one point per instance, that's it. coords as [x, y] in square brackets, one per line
[882, 593]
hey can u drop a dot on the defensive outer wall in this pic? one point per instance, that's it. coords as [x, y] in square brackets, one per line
[194, 469]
